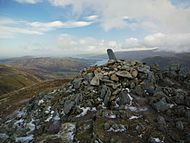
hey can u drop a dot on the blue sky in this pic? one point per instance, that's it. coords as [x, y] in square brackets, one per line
[74, 27]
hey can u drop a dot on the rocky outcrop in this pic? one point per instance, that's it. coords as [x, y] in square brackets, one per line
[119, 102]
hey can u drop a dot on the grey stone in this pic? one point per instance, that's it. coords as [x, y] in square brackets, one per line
[150, 90]
[54, 127]
[151, 77]
[187, 138]
[124, 74]
[161, 121]
[180, 96]
[111, 54]
[88, 76]
[179, 125]
[140, 127]
[107, 97]
[106, 126]
[132, 85]
[95, 81]
[3, 137]
[103, 91]
[114, 78]
[188, 115]
[115, 126]
[138, 90]
[77, 98]
[99, 75]
[161, 105]
[77, 82]
[105, 94]
[68, 106]
[154, 140]
[134, 73]
[144, 69]
[124, 98]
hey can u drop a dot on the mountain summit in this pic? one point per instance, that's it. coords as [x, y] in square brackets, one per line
[119, 102]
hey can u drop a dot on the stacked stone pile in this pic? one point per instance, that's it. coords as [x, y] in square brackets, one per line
[119, 102]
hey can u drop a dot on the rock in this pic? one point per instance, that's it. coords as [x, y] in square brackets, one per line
[132, 85]
[114, 78]
[67, 132]
[78, 97]
[161, 121]
[144, 69]
[107, 97]
[99, 75]
[124, 98]
[159, 94]
[103, 91]
[115, 126]
[124, 74]
[179, 125]
[140, 128]
[95, 81]
[151, 77]
[138, 90]
[54, 127]
[161, 105]
[68, 106]
[188, 115]
[111, 54]
[133, 63]
[154, 140]
[3, 137]
[88, 76]
[77, 82]
[106, 126]
[187, 138]
[180, 96]
[134, 73]
[150, 90]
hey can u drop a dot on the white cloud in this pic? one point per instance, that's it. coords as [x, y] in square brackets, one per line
[29, 1]
[161, 15]
[72, 45]
[161, 41]
[132, 43]
[10, 27]
[169, 42]
[60, 2]
[46, 26]
[92, 17]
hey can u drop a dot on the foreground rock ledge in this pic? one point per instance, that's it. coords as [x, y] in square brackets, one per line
[119, 102]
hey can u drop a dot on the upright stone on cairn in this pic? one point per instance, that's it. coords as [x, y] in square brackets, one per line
[111, 54]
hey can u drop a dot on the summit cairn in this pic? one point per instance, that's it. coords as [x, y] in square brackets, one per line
[121, 101]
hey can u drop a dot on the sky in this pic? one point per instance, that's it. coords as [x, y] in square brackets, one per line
[74, 27]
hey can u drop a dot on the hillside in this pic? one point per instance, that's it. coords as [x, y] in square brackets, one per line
[183, 59]
[121, 101]
[50, 68]
[12, 78]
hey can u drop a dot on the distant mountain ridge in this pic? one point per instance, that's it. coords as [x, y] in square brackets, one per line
[49, 67]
